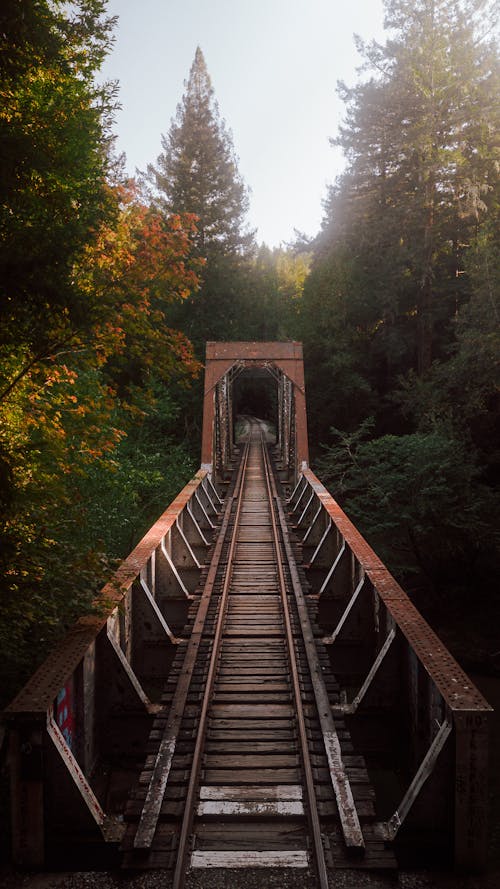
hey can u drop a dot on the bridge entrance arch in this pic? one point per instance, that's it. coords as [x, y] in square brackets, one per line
[283, 364]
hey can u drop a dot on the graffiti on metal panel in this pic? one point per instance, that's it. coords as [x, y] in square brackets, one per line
[65, 716]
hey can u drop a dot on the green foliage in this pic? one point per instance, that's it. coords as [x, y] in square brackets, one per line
[147, 470]
[243, 295]
[89, 450]
[417, 498]
[463, 389]
[197, 173]
[106, 300]
[54, 137]
[337, 330]
[274, 292]
[421, 177]
[400, 312]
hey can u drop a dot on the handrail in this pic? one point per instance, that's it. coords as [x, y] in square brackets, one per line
[449, 678]
[358, 581]
[98, 668]
[39, 692]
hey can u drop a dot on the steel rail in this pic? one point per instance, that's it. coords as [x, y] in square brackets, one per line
[319, 853]
[351, 828]
[188, 817]
[158, 781]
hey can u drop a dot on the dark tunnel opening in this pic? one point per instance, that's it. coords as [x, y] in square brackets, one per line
[255, 394]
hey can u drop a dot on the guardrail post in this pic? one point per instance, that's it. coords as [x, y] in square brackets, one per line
[121, 717]
[471, 789]
[184, 557]
[27, 810]
[87, 693]
[169, 583]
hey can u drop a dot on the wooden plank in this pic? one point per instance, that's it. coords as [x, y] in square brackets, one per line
[248, 630]
[240, 698]
[353, 835]
[255, 646]
[163, 765]
[248, 776]
[244, 735]
[265, 671]
[249, 711]
[246, 859]
[259, 601]
[251, 761]
[252, 661]
[250, 747]
[252, 792]
[258, 686]
[256, 808]
[271, 654]
[255, 724]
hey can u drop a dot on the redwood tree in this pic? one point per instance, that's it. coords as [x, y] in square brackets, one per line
[419, 138]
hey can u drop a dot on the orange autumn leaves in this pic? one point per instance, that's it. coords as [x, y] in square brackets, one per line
[133, 271]
[74, 405]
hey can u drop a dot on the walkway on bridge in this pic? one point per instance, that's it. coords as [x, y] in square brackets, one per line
[257, 690]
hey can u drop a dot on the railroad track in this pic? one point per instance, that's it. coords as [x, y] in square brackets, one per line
[247, 766]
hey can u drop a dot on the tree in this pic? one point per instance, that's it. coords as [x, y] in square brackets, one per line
[197, 173]
[197, 169]
[420, 144]
[88, 274]
[389, 273]
[400, 313]
[54, 137]
[134, 271]
[275, 291]
[88, 450]
[463, 389]
[419, 499]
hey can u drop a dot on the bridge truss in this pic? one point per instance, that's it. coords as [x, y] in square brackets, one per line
[80, 728]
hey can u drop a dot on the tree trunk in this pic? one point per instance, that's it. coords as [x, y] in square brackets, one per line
[424, 304]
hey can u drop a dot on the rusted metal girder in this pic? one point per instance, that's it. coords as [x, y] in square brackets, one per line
[222, 357]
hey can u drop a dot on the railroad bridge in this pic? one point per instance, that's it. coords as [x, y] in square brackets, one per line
[254, 689]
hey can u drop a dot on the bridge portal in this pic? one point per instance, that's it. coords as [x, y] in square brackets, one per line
[281, 367]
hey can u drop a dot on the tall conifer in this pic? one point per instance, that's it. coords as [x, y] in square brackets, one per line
[197, 170]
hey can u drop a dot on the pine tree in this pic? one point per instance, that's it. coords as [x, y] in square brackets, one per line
[197, 170]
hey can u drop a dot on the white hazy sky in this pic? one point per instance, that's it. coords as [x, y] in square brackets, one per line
[274, 66]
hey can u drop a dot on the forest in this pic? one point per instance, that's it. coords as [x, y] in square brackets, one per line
[110, 288]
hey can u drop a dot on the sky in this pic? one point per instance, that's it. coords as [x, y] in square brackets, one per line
[274, 66]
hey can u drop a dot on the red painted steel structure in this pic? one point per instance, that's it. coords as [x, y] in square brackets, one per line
[286, 358]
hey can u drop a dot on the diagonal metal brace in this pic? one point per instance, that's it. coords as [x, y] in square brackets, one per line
[329, 640]
[174, 571]
[351, 708]
[389, 829]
